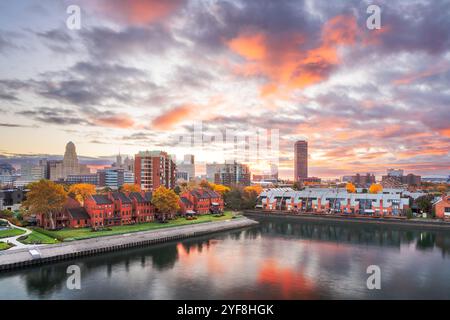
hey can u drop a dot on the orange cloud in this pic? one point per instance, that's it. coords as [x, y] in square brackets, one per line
[115, 121]
[136, 12]
[282, 62]
[172, 117]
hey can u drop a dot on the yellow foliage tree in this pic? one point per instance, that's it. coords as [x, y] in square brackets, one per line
[253, 189]
[375, 188]
[81, 191]
[165, 201]
[47, 198]
[350, 187]
[130, 188]
[220, 188]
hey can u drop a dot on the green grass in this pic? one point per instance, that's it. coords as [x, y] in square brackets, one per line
[11, 233]
[5, 246]
[37, 238]
[86, 233]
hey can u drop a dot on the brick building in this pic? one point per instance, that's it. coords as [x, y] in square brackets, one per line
[153, 169]
[442, 207]
[201, 201]
[112, 209]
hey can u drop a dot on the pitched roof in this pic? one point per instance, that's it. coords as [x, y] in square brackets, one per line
[78, 213]
[121, 196]
[101, 199]
[137, 196]
[148, 196]
[187, 202]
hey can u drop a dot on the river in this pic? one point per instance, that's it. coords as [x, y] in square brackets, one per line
[277, 259]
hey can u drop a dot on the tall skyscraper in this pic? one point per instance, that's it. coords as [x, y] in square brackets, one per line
[300, 160]
[58, 170]
[153, 169]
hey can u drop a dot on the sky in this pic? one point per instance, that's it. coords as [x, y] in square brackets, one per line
[140, 74]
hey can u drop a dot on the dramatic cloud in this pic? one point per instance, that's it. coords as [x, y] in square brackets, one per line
[364, 99]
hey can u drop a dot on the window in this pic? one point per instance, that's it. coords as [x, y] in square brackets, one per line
[447, 209]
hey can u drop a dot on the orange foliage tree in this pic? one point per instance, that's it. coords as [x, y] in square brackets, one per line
[350, 187]
[130, 188]
[375, 188]
[81, 191]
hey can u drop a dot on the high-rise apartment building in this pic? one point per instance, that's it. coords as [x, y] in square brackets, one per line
[233, 174]
[300, 160]
[153, 169]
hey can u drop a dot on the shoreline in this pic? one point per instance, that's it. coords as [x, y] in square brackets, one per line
[435, 225]
[10, 260]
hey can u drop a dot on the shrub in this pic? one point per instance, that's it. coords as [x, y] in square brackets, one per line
[409, 214]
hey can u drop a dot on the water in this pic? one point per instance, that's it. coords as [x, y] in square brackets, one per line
[279, 259]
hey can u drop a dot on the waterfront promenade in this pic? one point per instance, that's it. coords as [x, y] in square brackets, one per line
[50, 253]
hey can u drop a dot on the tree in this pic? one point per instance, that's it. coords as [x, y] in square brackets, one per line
[350, 187]
[177, 190]
[205, 184]
[47, 198]
[250, 196]
[375, 188]
[233, 199]
[130, 188]
[166, 202]
[81, 191]
[425, 203]
[297, 185]
[220, 188]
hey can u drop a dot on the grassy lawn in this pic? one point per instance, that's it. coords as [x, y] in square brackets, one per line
[38, 238]
[85, 233]
[4, 246]
[10, 233]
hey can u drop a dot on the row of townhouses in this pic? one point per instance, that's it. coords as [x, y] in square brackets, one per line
[332, 201]
[119, 208]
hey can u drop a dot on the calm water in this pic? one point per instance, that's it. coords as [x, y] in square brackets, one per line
[279, 259]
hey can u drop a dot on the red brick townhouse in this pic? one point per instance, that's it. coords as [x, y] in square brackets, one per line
[115, 208]
[72, 216]
[143, 210]
[203, 201]
[442, 207]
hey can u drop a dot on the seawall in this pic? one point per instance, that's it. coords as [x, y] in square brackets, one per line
[423, 224]
[10, 260]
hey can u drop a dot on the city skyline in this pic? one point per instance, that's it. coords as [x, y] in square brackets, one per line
[365, 100]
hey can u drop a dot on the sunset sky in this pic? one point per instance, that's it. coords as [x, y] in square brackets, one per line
[139, 73]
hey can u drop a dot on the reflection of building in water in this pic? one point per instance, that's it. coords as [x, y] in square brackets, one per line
[354, 234]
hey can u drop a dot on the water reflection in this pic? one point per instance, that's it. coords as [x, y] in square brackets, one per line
[279, 259]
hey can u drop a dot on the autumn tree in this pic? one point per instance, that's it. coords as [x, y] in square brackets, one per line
[375, 188]
[81, 191]
[250, 196]
[47, 198]
[205, 184]
[130, 188]
[220, 188]
[166, 202]
[350, 187]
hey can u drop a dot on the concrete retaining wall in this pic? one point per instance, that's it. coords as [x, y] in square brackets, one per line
[58, 252]
[423, 224]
